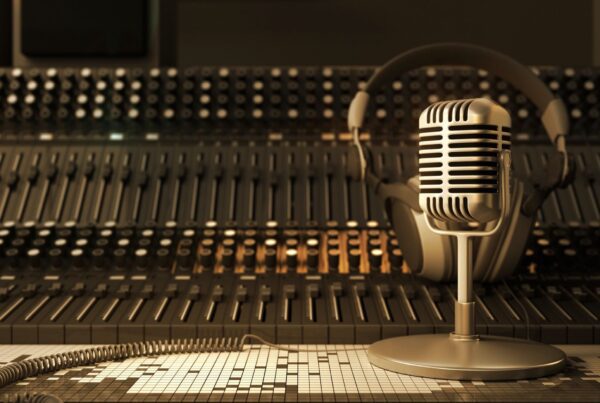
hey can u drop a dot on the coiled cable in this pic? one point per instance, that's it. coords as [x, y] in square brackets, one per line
[34, 397]
[33, 367]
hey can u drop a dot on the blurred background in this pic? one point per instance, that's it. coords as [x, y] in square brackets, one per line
[288, 32]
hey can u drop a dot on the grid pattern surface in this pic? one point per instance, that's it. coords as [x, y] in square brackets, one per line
[260, 373]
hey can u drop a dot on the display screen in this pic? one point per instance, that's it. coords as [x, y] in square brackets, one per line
[107, 28]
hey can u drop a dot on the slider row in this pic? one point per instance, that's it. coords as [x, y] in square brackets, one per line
[313, 309]
[292, 185]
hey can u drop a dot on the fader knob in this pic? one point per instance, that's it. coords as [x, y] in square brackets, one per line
[29, 290]
[185, 258]
[147, 291]
[34, 258]
[54, 289]
[194, 293]
[77, 257]
[333, 257]
[361, 289]
[249, 258]
[207, 258]
[336, 289]
[4, 293]
[141, 258]
[228, 258]
[265, 293]
[101, 290]
[313, 290]
[172, 290]
[271, 258]
[55, 256]
[291, 259]
[123, 291]
[217, 293]
[163, 258]
[120, 257]
[312, 258]
[98, 257]
[289, 291]
[396, 258]
[375, 257]
[354, 258]
[241, 293]
[78, 289]
[12, 256]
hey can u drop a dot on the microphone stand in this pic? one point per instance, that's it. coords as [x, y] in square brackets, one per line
[464, 312]
[465, 355]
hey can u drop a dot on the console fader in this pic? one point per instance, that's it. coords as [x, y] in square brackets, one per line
[141, 205]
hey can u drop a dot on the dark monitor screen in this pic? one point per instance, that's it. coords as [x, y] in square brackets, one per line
[82, 28]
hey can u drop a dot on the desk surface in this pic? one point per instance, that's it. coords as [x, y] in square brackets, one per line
[261, 373]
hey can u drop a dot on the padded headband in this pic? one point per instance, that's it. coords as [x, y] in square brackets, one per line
[554, 113]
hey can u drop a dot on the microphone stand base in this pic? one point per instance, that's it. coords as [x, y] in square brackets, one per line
[486, 358]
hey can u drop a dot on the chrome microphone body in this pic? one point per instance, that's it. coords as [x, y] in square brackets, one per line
[464, 170]
[460, 143]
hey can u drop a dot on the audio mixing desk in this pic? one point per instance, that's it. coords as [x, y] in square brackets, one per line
[143, 205]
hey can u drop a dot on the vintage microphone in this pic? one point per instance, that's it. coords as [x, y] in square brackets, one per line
[464, 191]
[464, 170]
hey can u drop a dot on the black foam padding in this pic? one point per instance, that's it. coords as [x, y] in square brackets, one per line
[108, 28]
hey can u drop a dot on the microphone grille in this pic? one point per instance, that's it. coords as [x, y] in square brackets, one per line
[459, 147]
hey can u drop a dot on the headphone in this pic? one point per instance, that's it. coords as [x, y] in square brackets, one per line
[432, 255]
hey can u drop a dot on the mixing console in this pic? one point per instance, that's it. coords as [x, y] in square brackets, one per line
[163, 204]
[109, 284]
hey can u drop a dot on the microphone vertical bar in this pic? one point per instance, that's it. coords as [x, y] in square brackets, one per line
[464, 313]
[465, 268]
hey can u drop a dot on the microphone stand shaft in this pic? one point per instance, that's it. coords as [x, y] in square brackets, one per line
[464, 312]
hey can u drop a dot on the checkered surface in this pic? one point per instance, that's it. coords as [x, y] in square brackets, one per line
[336, 373]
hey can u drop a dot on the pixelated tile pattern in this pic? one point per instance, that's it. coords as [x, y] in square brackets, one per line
[259, 373]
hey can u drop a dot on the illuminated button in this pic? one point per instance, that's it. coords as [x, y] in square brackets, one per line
[291, 258]
[375, 258]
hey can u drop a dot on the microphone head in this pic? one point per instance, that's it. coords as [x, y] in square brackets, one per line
[459, 159]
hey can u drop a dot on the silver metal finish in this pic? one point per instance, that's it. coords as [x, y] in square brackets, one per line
[464, 246]
[460, 143]
[481, 358]
[464, 318]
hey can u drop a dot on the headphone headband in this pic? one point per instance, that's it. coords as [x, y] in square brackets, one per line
[554, 115]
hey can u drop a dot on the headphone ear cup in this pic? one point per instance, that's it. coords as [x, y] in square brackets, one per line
[516, 235]
[403, 221]
[413, 234]
[439, 259]
[500, 252]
